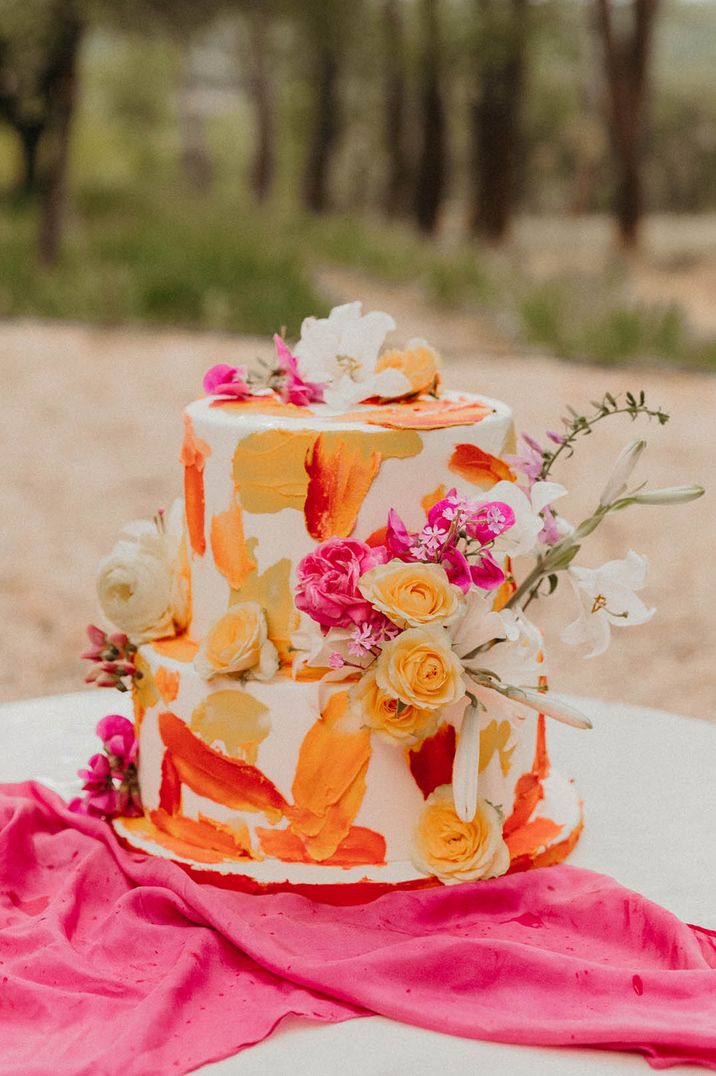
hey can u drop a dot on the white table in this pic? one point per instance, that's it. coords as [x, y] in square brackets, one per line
[649, 783]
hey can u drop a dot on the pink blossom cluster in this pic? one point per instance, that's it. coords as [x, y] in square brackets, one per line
[530, 463]
[110, 782]
[112, 658]
[458, 535]
[282, 381]
[457, 531]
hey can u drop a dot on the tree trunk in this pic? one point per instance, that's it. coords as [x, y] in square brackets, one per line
[63, 78]
[496, 118]
[431, 173]
[396, 185]
[263, 166]
[626, 61]
[325, 128]
[30, 135]
[196, 162]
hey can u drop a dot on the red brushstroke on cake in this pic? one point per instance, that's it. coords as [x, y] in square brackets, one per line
[479, 467]
[193, 456]
[170, 788]
[431, 762]
[210, 773]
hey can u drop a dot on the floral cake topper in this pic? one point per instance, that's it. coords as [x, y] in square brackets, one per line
[337, 361]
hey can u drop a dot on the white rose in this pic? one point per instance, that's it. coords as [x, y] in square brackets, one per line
[140, 586]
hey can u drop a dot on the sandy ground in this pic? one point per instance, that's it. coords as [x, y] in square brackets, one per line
[90, 437]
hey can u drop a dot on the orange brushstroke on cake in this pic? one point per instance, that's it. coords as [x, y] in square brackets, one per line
[339, 476]
[193, 455]
[203, 841]
[361, 847]
[431, 763]
[505, 591]
[329, 782]
[424, 414]
[167, 683]
[228, 545]
[178, 647]
[528, 790]
[216, 776]
[479, 467]
[532, 836]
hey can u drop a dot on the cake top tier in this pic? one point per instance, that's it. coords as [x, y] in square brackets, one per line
[422, 412]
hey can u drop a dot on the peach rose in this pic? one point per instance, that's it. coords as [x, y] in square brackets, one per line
[237, 643]
[412, 594]
[420, 668]
[456, 851]
[392, 720]
[418, 362]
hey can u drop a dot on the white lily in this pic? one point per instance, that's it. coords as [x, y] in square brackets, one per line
[608, 599]
[546, 703]
[342, 351]
[669, 495]
[625, 463]
[466, 765]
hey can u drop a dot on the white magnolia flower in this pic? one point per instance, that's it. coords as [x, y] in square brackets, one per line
[342, 351]
[522, 538]
[607, 598]
[140, 586]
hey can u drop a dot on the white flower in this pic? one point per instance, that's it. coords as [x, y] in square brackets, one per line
[607, 597]
[625, 463]
[140, 586]
[342, 351]
[521, 538]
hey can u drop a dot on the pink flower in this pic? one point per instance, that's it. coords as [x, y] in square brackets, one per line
[530, 462]
[293, 388]
[549, 534]
[489, 521]
[487, 573]
[328, 583]
[100, 797]
[119, 741]
[223, 380]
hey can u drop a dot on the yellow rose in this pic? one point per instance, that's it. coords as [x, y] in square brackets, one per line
[420, 668]
[412, 594]
[418, 361]
[392, 720]
[238, 643]
[456, 851]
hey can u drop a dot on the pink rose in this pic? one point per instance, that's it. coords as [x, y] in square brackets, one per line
[328, 583]
[224, 380]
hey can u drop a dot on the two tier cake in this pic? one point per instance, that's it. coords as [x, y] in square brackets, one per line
[332, 684]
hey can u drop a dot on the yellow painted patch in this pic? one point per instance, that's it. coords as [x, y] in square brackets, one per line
[493, 740]
[264, 406]
[269, 472]
[272, 590]
[229, 547]
[432, 498]
[144, 690]
[233, 719]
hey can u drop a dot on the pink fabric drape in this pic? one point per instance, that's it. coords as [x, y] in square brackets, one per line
[116, 962]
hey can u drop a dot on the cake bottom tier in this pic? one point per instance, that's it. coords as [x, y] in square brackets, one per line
[277, 784]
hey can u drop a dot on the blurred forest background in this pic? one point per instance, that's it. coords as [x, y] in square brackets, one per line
[550, 163]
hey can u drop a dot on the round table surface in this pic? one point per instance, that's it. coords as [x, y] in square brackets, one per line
[648, 780]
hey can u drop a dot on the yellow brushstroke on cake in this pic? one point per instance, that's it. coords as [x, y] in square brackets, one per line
[233, 721]
[493, 740]
[272, 590]
[229, 547]
[431, 499]
[269, 472]
[144, 690]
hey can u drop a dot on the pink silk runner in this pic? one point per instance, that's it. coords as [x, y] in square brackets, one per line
[114, 962]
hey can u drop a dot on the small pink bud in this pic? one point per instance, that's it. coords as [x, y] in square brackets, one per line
[92, 674]
[106, 680]
[336, 660]
[96, 636]
[94, 654]
[118, 639]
